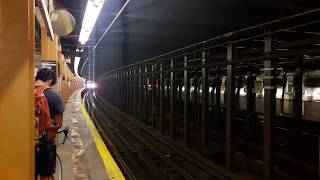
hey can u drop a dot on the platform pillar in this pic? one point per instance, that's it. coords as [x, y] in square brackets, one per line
[269, 112]
[16, 89]
[153, 97]
[204, 102]
[172, 99]
[161, 98]
[186, 82]
[230, 107]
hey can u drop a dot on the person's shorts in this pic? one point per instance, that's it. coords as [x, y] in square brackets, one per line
[45, 159]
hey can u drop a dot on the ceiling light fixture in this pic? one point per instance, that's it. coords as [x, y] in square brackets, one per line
[90, 17]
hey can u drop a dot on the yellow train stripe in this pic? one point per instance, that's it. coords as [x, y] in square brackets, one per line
[113, 170]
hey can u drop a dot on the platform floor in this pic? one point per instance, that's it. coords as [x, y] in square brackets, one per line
[80, 157]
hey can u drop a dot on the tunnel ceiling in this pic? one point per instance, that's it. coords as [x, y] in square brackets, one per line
[151, 27]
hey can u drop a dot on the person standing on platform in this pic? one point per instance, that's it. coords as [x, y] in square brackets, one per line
[49, 117]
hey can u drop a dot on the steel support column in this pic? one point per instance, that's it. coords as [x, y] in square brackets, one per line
[140, 93]
[269, 111]
[186, 101]
[172, 100]
[117, 90]
[251, 105]
[297, 83]
[125, 91]
[230, 108]
[218, 95]
[135, 86]
[204, 102]
[122, 91]
[153, 89]
[161, 98]
[146, 93]
[130, 91]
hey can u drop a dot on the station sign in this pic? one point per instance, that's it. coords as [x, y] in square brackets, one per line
[50, 65]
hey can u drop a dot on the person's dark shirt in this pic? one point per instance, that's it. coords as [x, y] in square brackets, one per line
[55, 102]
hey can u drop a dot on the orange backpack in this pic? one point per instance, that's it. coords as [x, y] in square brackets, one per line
[42, 114]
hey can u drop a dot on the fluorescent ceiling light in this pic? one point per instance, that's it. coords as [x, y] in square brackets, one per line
[90, 17]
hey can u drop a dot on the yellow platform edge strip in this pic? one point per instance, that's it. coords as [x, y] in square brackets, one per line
[113, 170]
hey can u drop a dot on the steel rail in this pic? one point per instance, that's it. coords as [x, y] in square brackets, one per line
[191, 156]
[172, 164]
[114, 151]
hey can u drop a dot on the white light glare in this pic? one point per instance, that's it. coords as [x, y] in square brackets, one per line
[77, 50]
[312, 94]
[279, 93]
[90, 17]
[91, 85]
[76, 66]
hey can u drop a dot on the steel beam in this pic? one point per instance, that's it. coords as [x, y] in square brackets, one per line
[172, 100]
[269, 111]
[204, 102]
[186, 81]
[230, 108]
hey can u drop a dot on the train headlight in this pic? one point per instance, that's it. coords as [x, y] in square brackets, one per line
[91, 85]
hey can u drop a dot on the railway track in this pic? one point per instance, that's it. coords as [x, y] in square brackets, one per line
[141, 154]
